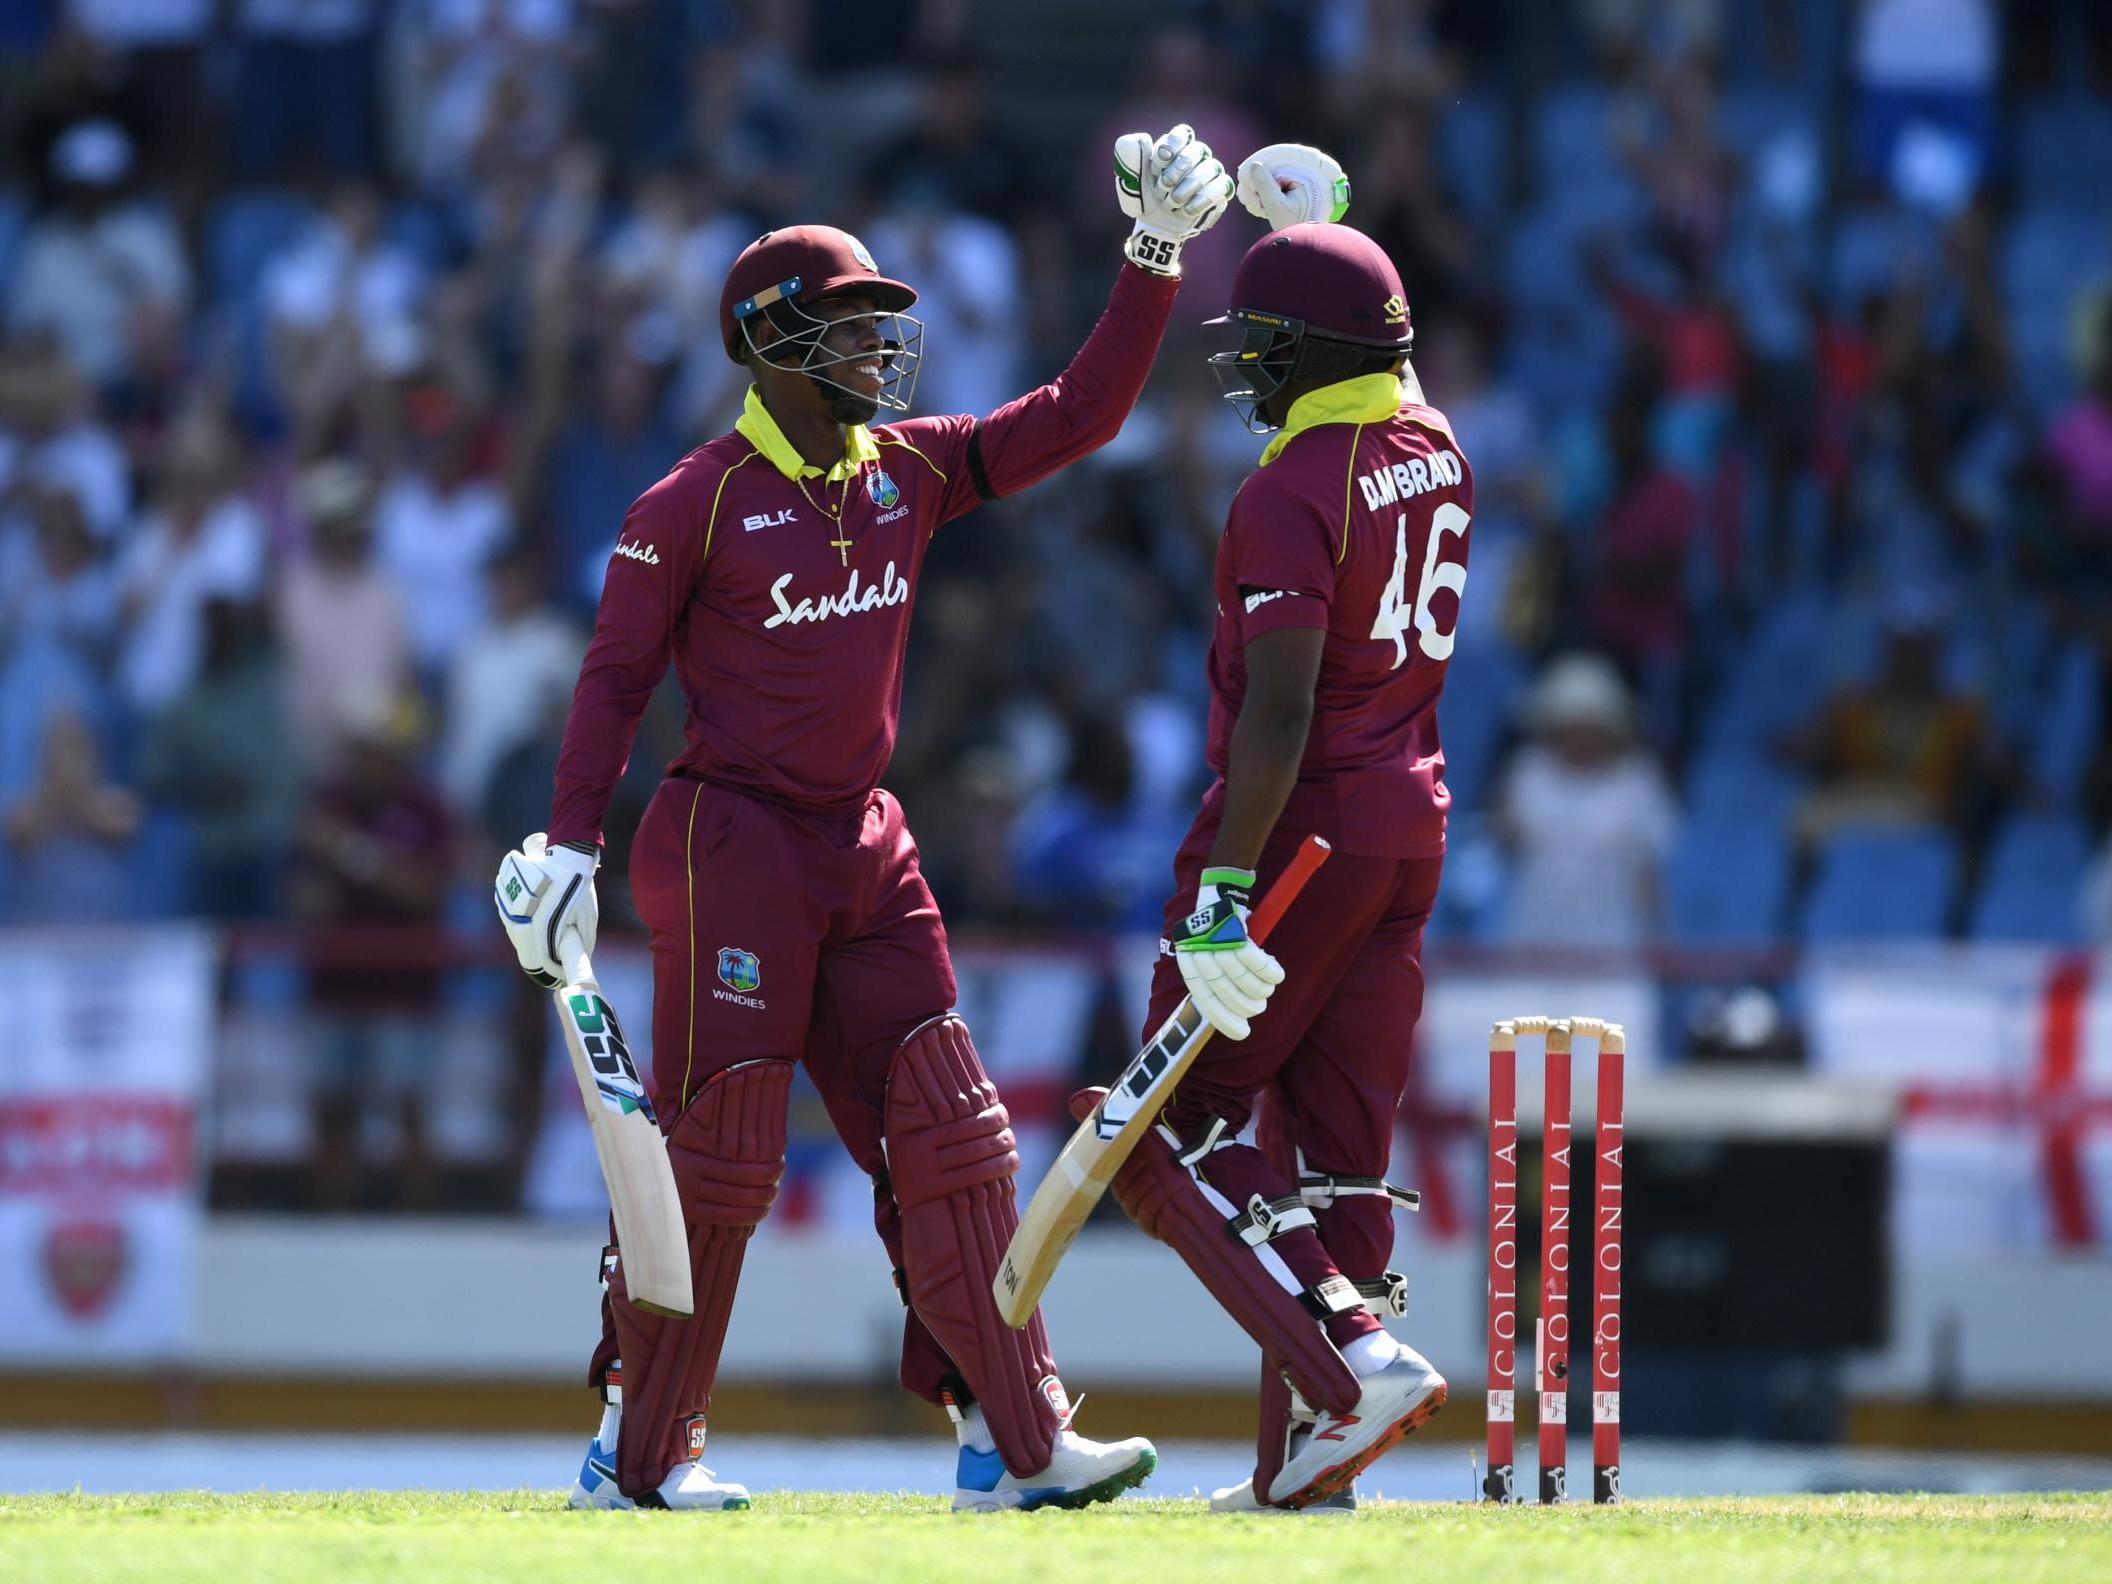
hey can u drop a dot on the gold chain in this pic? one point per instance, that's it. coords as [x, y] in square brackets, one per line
[839, 544]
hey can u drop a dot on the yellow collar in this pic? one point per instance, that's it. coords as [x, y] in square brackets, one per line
[1365, 399]
[762, 432]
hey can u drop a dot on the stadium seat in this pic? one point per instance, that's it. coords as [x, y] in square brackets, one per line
[1874, 250]
[1543, 269]
[1754, 112]
[2066, 738]
[241, 234]
[2016, 654]
[2033, 874]
[1742, 788]
[1784, 671]
[1472, 718]
[2064, 153]
[1471, 154]
[1572, 132]
[2050, 256]
[1726, 882]
[1882, 882]
[14, 220]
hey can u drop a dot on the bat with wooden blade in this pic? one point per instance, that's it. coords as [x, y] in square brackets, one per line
[1104, 1140]
[649, 1229]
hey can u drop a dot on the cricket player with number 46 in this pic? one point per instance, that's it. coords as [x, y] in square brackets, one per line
[1338, 584]
[790, 921]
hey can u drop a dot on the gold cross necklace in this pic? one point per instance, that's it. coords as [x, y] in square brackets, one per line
[839, 544]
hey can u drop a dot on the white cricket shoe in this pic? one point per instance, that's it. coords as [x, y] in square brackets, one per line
[1396, 1400]
[689, 1487]
[1240, 1498]
[1082, 1472]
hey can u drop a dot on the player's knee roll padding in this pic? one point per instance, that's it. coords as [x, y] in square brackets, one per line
[950, 1162]
[1172, 1204]
[728, 1147]
[728, 1153]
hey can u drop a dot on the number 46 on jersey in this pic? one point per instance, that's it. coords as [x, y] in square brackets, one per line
[1398, 616]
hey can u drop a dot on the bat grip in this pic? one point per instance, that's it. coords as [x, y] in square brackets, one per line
[573, 959]
[1311, 854]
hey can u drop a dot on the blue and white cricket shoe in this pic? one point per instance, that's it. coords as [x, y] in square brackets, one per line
[688, 1487]
[1082, 1472]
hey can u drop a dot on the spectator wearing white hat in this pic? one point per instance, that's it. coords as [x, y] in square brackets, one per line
[1585, 814]
[97, 257]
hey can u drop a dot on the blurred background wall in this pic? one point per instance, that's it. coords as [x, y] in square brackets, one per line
[335, 335]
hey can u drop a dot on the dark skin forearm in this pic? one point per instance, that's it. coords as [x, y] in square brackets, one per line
[1267, 742]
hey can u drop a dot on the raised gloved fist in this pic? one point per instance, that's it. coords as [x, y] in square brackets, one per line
[1288, 183]
[1174, 189]
[1228, 976]
[545, 897]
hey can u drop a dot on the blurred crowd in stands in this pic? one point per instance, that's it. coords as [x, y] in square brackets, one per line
[338, 334]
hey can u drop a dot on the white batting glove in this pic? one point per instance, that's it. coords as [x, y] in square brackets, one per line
[1175, 190]
[1229, 977]
[1289, 183]
[545, 897]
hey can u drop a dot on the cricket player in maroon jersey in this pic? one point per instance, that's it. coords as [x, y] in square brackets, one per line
[1338, 582]
[789, 919]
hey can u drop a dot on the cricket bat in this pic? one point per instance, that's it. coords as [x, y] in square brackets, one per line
[1103, 1141]
[634, 1164]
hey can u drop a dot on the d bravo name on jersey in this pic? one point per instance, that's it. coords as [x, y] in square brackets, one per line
[1403, 480]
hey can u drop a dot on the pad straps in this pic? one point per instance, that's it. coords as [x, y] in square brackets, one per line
[1320, 1190]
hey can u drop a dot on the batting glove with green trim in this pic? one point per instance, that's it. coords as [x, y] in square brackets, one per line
[1175, 189]
[1229, 977]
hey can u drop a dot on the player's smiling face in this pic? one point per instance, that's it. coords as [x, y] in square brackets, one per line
[852, 357]
[854, 337]
[846, 370]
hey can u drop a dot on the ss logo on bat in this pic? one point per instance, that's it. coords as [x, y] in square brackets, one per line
[602, 1038]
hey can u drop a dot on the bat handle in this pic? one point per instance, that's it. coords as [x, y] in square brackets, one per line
[1311, 854]
[574, 959]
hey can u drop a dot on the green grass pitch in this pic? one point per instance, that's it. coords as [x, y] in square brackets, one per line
[528, 1537]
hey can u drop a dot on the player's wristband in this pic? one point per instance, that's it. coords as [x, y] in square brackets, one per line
[1154, 251]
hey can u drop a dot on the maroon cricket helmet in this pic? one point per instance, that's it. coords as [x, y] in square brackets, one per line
[1318, 302]
[800, 265]
[1331, 276]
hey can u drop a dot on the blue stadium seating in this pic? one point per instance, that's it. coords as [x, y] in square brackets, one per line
[241, 234]
[1881, 882]
[2034, 873]
[1472, 718]
[1572, 145]
[1753, 113]
[2049, 256]
[1726, 882]
[1874, 249]
[1783, 670]
[1743, 789]
[14, 220]
[2066, 738]
[2064, 154]
[1471, 154]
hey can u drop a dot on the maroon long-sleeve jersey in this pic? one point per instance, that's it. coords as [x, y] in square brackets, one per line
[787, 623]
